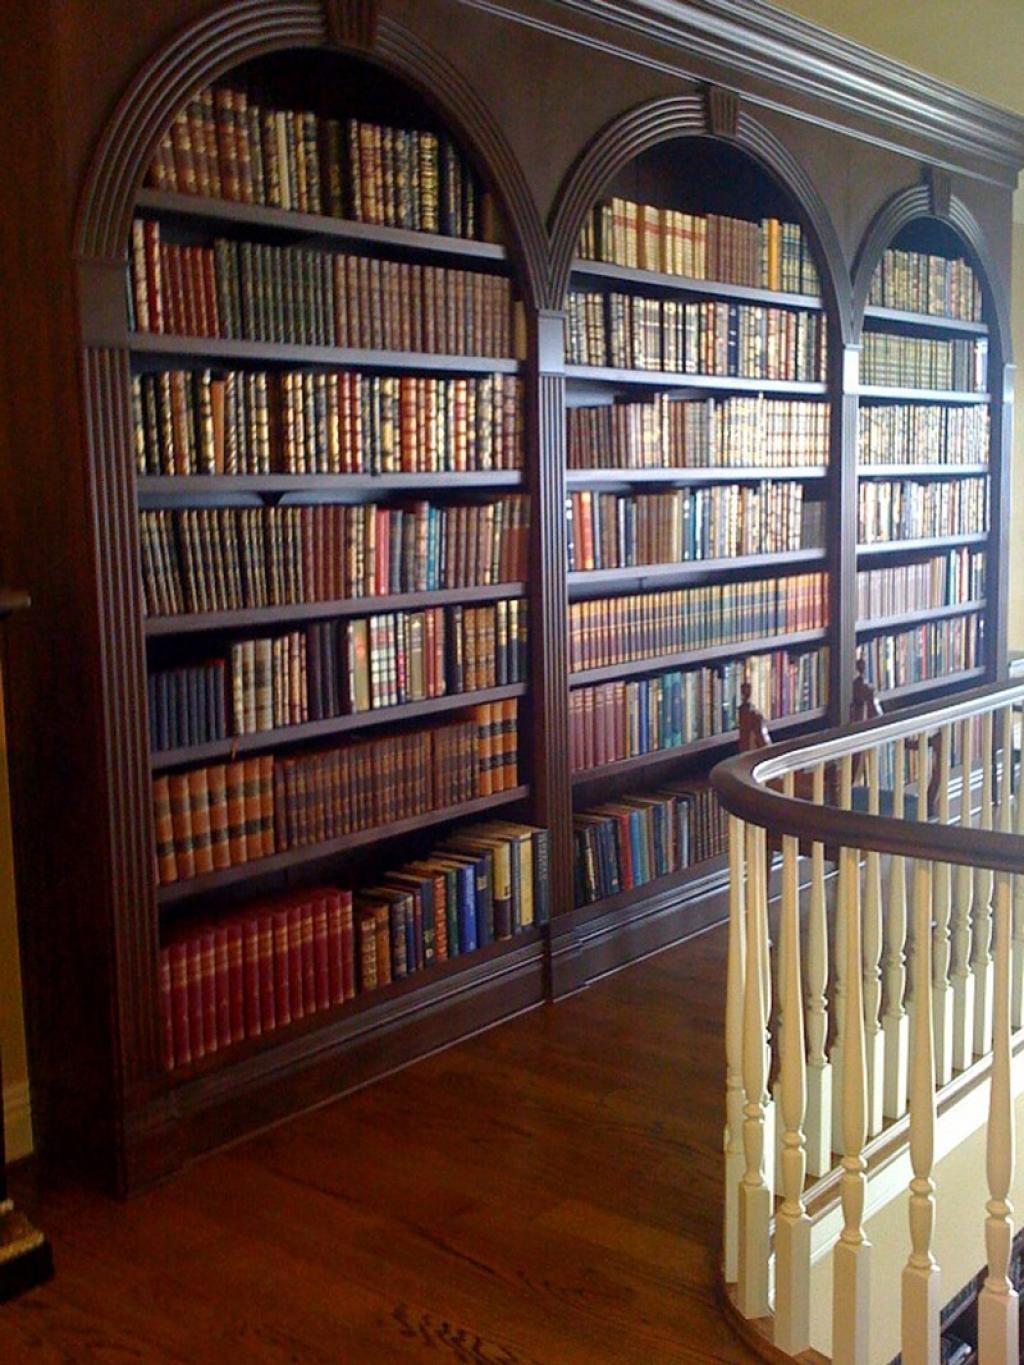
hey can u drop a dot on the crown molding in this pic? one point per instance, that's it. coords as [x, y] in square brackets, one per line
[753, 40]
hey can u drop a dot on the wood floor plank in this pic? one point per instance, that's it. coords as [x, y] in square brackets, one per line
[544, 1194]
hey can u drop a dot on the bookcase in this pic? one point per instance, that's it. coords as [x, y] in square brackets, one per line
[424, 469]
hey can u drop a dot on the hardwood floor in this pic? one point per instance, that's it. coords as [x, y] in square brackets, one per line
[545, 1194]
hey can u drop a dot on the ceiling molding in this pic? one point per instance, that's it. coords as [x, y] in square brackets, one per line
[753, 39]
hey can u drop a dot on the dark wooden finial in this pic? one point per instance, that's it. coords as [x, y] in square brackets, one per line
[352, 23]
[940, 190]
[721, 111]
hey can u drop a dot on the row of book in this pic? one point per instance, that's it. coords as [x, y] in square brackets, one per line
[619, 720]
[225, 814]
[621, 530]
[934, 650]
[922, 433]
[737, 340]
[920, 282]
[768, 254]
[229, 558]
[253, 291]
[606, 631]
[333, 422]
[338, 667]
[958, 363]
[939, 581]
[641, 836]
[225, 144]
[699, 433]
[905, 510]
[283, 959]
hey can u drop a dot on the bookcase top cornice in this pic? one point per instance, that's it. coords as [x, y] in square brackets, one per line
[891, 102]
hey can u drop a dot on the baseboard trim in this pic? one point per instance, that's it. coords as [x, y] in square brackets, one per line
[17, 1121]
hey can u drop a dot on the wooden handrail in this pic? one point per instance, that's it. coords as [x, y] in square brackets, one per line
[12, 600]
[741, 783]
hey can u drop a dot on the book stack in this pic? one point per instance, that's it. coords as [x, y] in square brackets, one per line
[224, 144]
[222, 815]
[736, 340]
[907, 510]
[606, 631]
[699, 433]
[253, 291]
[622, 530]
[918, 282]
[187, 706]
[955, 364]
[281, 960]
[923, 433]
[337, 422]
[624, 719]
[925, 585]
[768, 254]
[229, 558]
[930, 651]
[640, 837]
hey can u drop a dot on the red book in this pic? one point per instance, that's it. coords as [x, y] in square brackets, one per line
[222, 984]
[282, 978]
[268, 995]
[251, 976]
[236, 982]
[308, 958]
[166, 1020]
[321, 953]
[208, 988]
[154, 275]
[178, 960]
[335, 961]
[296, 993]
[194, 979]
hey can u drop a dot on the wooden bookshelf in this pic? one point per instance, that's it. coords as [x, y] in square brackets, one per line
[103, 1100]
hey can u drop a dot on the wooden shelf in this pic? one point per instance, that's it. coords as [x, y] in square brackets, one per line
[658, 281]
[893, 394]
[899, 547]
[285, 354]
[303, 227]
[917, 471]
[659, 758]
[584, 582]
[943, 684]
[682, 876]
[899, 317]
[693, 658]
[162, 759]
[194, 622]
[671, 379]
[194, 887]
[915, 618]
[586, 478]
[155, 487]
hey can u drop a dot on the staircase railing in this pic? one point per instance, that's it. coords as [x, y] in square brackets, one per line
[876, 955]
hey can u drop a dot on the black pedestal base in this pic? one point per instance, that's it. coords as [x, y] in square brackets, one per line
[25, 1256]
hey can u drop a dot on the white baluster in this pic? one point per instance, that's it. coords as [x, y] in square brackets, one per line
[839, 975]
[755, 1204]
[792, 1225]
[895, 1023]
[874, 1038]
[942, 893]
[920, 1282]
[1017, 966]
[960, 940]
[998, 1316]
[981, 957]
[851, 1279]
[734, 1158]
[819, 1069]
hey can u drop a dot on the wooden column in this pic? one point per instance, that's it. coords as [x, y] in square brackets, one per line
[874, 1038]
[895, 1024]
[819, 1069]
[963, 898]
[734, 999]
[942, 896]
